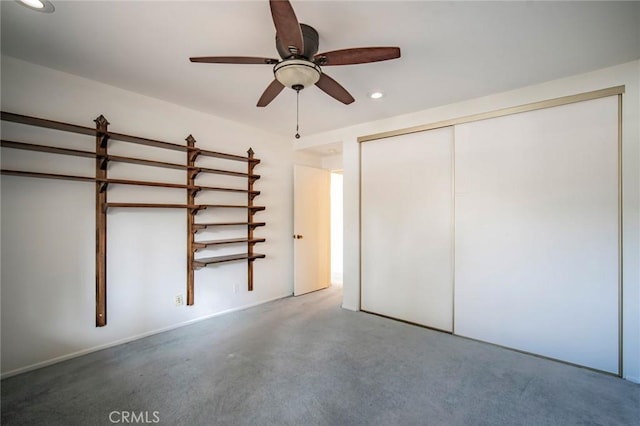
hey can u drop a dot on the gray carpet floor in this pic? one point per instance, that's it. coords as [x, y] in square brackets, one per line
[306, 361]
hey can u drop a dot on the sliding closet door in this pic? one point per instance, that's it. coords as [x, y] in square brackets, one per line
[536, 219]
[406, 234]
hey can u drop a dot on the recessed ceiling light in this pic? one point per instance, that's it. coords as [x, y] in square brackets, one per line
[40, 5]
[376, 95]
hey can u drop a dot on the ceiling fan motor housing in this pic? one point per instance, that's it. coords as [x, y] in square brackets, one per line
[310, 37]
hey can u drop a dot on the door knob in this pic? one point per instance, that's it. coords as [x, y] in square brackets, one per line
[297, 237]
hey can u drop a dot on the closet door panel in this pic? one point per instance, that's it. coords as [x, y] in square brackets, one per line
[536, 219]
[406, 228]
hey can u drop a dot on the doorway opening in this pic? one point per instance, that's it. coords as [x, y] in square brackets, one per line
[318, 223]
[336, 228]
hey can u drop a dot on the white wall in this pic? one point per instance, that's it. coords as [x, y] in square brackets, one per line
[313, 159]
[48, 226]
[626, 74]
[336, 228]
[309, 159]
[332, 162]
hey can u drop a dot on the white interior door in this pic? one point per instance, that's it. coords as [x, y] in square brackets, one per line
[312, 230]
[407, 228]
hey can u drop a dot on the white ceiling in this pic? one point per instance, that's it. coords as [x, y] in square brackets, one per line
[451, 51]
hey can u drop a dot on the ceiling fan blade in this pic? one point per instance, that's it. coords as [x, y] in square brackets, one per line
[270, 93]
[333, 89]
[287, 26]
[359, 55]
[234, 60]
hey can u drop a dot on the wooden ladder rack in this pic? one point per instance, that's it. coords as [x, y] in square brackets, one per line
[101, 180]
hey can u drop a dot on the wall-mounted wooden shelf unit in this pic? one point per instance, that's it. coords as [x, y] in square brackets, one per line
[102, 182]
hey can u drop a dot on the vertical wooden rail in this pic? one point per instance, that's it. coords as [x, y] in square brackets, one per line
[192, 154]
[250, 212]
[102, 138]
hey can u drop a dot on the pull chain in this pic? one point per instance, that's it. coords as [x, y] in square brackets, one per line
[297, 112]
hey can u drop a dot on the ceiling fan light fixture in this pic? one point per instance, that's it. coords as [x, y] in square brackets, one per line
[297, 45]
[297, 72]
[44, 6]
[376, 95]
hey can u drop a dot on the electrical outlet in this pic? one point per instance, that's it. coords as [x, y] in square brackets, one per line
[179, 300]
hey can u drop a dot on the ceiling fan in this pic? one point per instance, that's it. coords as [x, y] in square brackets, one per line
[300, 66]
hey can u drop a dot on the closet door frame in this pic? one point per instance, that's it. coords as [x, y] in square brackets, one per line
[565, 100]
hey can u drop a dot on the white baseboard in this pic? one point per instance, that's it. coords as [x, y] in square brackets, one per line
[82, 352]
[633, 379]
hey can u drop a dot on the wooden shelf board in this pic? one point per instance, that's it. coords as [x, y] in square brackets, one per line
[48, 175]
[214, 154]
[177, 206]
[144, 162]
[216, 188]
[203, 244]
[233, 206]
[151, 205]
[49, 124]
[197, 226]
[176, 166]
[199, 263]
[148, 142]
[146, 183]
[45, 148]
[223, 172]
